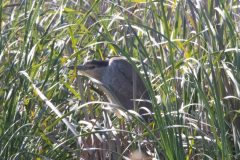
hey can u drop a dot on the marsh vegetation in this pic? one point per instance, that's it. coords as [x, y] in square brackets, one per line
[185, 51]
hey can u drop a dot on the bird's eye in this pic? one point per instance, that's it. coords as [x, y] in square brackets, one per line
[91, 66]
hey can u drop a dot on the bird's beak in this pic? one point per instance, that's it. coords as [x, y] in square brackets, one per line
[80, 67]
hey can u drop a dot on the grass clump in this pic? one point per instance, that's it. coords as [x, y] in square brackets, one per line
[186, 51]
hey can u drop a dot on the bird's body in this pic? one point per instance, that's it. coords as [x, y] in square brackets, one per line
[117, 78]
[121, 82]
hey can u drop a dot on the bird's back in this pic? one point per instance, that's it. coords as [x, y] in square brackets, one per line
[121, 83]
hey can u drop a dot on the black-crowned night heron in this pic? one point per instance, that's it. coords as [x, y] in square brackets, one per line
[117, 79]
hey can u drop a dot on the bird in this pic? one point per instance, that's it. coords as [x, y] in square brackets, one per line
[116, 78]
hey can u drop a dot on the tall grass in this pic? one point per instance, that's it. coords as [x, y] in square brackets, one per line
[186, 52]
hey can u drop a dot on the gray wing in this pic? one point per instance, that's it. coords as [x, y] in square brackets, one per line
[127, 71]
[121, 82]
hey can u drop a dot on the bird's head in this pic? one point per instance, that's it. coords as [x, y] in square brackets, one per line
[94, 69]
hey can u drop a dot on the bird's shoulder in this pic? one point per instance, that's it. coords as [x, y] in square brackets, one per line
[119, 61]
[121, 66]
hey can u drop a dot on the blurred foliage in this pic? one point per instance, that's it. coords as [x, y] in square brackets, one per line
[186, 51]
